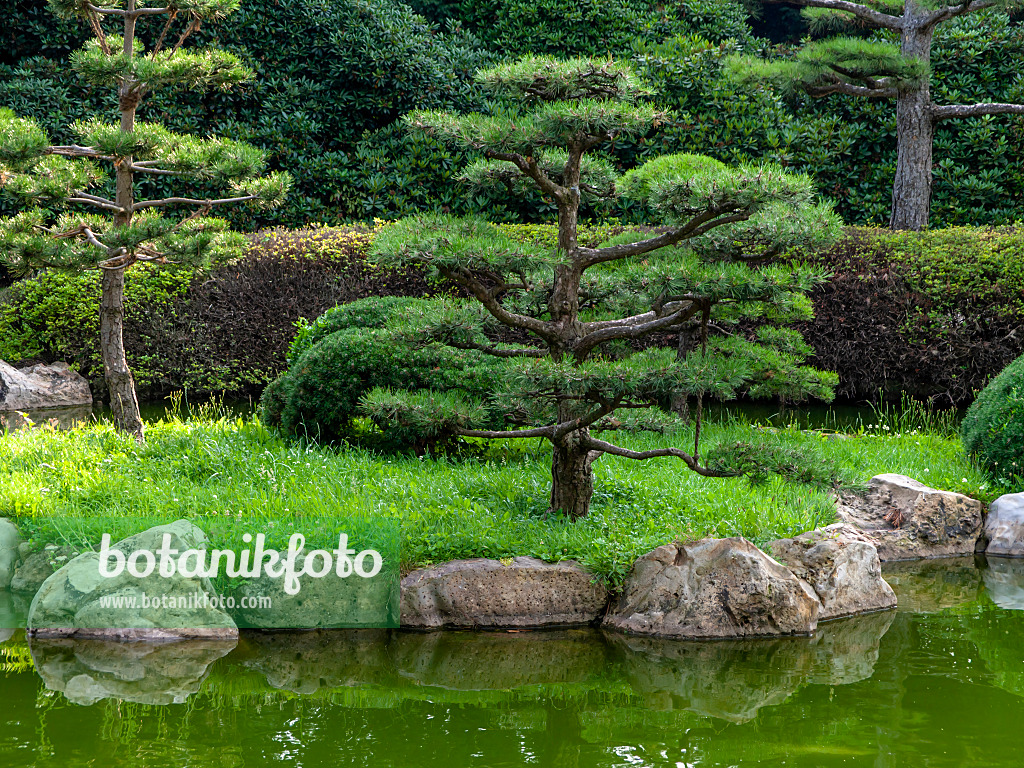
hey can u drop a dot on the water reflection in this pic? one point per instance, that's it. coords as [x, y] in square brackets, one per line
[1004, 582]
[930, 586]
[86, 671]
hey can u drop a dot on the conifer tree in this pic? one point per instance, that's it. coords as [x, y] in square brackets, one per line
[567, 324]
[84, 210]
[894, 65]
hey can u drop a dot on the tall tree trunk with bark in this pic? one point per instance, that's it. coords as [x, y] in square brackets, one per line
[124, 402]
[915, 132]
[572, 479]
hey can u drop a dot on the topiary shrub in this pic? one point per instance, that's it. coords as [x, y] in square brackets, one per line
[993, 429]
[356, 348]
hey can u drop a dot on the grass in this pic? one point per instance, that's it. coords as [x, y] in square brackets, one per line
[232, 475]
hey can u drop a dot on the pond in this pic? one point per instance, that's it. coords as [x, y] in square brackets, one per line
[938, 682]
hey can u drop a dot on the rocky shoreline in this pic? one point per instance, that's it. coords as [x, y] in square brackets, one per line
[706, 589]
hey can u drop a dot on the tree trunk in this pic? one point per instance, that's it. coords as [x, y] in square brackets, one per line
[123, 402]
[915, 129]
[572, 479]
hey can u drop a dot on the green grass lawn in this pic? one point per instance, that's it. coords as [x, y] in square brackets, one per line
[231, 476]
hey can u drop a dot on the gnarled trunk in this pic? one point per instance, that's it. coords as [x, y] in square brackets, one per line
[124, 404]
[915, 132]
[572, 479]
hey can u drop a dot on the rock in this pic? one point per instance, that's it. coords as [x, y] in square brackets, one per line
[906, 520]
[485, 593]
[1004, 527]
[713, 588]
[930, 586]
[499, 661]
[1004, 583]
[75, 601]
[57, 418]
[305, 662]
[38, 567]
[330, 602]
[88, 670]
[842, 568]
[10, 556]
[41, 386]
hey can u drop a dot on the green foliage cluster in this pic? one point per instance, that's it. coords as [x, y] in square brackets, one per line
[356, 348]
[993, 429]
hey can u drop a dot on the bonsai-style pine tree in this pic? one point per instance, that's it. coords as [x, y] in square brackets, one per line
[568, 323]
[80, 217]
[879, 68]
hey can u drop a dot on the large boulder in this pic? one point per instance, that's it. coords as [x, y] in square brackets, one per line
[487, 593]
[36, 567]
[10, 556]
[843, 569]
[41, 386]
[713, 588]
[79, 601]
[1004, 527]
[907, 520]
[87, 670]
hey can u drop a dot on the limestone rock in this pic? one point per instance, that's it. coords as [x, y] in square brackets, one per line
[37, 567]
[77, 601]
[485, 593]
[1004, 528]
[87, 670]
[41, 386]
[10, 542]
[713, 588]
[843, 569]
[907, 520]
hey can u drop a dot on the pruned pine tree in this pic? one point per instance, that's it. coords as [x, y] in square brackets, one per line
[568, 323]
[894, 65]
[85, 213]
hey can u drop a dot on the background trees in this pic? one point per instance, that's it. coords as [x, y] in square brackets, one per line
[85, 219]
[882, 68]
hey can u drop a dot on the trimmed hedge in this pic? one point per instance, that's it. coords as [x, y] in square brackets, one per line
[933, 314]
[993, 429]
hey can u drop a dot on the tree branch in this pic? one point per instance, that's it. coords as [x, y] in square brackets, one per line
[97, 202]
[952, 11]
[588, 257]
[491, 304]
[191, 201]
[875, 91]
[594, 444]
[506, 433]
[862, 12]
[529, 167]
[634, 330]
[974, 110]
[497, 351]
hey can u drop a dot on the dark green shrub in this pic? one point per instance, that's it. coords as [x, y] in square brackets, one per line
[993, 429]
[356, 348]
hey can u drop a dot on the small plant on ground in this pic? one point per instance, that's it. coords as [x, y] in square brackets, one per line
[565, 322]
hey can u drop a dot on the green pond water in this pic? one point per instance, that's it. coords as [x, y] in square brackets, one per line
[938, 682]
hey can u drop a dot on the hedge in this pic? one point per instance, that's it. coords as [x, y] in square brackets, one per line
[932, 314]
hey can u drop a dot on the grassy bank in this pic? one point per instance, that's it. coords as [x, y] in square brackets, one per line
[231, 476]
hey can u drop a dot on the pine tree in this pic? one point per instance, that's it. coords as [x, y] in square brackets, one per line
[81, 218]
[881, 68]
[568, 323]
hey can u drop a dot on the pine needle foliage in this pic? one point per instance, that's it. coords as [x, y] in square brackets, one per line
[87, 213]
[565, 325]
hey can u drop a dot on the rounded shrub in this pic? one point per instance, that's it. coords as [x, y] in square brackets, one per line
[359, 347]
[993, 429]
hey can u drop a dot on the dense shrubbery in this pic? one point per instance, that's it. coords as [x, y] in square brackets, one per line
[355, 348]
[935, 314]
[993, 429]
[340, 72]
